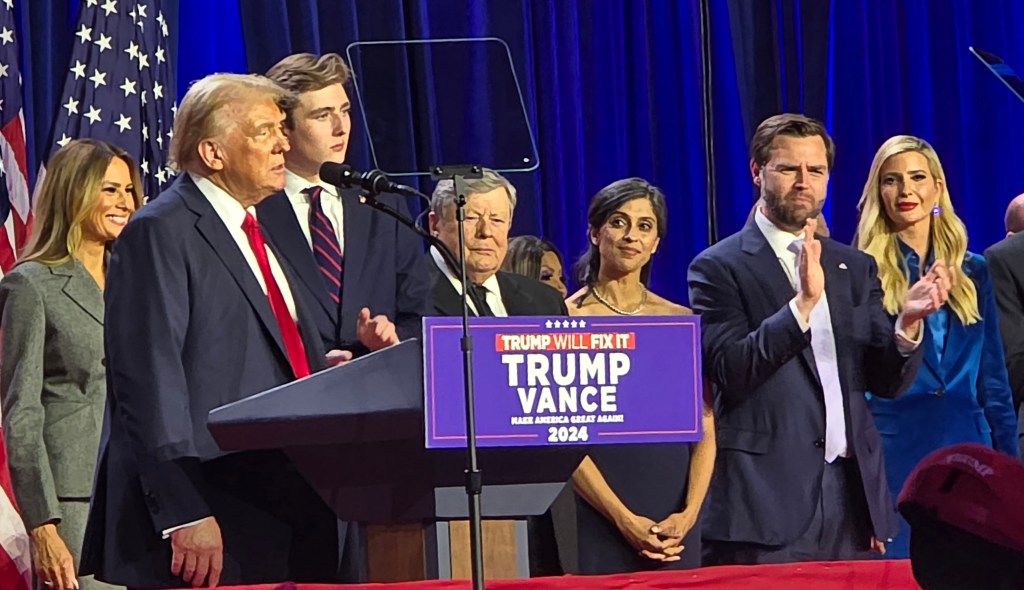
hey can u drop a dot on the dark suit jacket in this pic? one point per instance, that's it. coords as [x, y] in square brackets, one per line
[188, 329]
[768, 400]
[383, 268]
[520, 294]
[1006, 265]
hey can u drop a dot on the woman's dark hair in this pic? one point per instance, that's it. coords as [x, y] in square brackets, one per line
[525, 253]
[606, 202]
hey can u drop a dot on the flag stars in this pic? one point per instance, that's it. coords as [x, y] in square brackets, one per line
[128, 87]
[93, 115]
[160, 55]
[124, 123]
[91, 3]
[7, 35]
[78, 70]
[3, 70]
[85, 34]
[163, 23]
[110, 7]
[9, 4]
[72, 106]
[103, 42]
[145, 131]
[143, 97]
[158, 90]
[143, 61]
[133, 50]
[161, 176]
[144, 165]
[142, 11]
[64, 139]
[98, 79]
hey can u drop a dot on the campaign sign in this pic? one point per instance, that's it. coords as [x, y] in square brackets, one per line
[558, 381]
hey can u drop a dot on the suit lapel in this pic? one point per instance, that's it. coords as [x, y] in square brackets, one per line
[81, 288]
[516, 302]
[447, 301]
[277, 217]
[956, 339]
[211, 227]
[356, 221]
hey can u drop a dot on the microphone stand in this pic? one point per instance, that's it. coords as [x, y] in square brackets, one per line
[474, 479]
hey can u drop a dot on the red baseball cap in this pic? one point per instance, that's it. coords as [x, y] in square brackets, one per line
[973, 488]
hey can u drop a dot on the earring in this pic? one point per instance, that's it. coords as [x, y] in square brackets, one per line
[936, 210]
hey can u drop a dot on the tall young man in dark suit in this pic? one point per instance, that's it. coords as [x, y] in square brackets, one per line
[362, 270]
[794, 333]
[490, 203]
[200, 312]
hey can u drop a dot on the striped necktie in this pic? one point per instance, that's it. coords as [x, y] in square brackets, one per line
[325, 245]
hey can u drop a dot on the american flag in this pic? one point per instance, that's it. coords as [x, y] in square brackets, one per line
[15, 206]
[119, 86]
[15, 213]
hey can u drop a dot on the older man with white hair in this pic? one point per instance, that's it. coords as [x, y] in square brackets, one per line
[200, 312]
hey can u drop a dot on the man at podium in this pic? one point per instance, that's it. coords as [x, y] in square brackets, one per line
[200, 312]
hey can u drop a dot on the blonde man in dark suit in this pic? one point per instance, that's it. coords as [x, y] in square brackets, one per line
[51, 372]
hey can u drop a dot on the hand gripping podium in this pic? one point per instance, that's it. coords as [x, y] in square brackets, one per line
[356, 433]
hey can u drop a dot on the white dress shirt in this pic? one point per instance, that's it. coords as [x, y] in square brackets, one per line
[493, 296]
[330, 200]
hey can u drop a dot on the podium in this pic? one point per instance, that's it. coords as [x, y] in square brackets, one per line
[356, 433]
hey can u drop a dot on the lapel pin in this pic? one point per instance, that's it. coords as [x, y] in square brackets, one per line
[842, 265]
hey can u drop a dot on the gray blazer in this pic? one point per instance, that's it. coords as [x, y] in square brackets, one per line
[52, 384]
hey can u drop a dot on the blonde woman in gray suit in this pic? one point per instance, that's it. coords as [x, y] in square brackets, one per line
[52, 379]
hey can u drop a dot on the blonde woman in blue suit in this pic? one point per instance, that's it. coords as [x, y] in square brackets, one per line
[961, 393]
[52, 379]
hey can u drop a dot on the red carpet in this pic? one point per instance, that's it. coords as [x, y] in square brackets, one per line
[844, 575]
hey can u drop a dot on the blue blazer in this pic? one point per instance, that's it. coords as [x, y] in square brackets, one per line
[384, 268]
[769, 408]
[962, 395]
[188, 328]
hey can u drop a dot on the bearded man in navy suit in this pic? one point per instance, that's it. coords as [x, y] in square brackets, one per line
[794, 333]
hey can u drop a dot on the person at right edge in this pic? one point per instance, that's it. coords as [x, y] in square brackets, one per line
[961, 393]
[794, 334]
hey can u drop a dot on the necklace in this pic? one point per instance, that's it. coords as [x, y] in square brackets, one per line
[639, 308]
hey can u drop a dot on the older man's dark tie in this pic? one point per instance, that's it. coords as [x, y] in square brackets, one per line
[480, 295]
[326, 249]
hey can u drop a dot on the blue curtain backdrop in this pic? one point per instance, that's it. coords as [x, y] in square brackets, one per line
[613, 89]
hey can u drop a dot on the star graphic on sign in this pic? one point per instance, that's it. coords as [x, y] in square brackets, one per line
[7, 35]
[72, 106]
[3, 70]
[124, 123]
[64, 139]
[547, 324]
[159, 55]
[143, 60]
[103, 42]
[110, 7]
[98, 79]
[573, 323]
[78, 70]
[158, 90]
[128, 87]
[85, 34]
[133, 50]
[583, 323]
[93, 115]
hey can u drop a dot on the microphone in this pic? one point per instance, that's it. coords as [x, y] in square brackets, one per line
[373, 182]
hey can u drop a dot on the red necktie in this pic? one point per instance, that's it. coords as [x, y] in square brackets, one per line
[289, 331]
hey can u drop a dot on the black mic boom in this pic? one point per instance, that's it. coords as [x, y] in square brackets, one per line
[373, 182]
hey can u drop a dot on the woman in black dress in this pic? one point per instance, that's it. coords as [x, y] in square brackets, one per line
[636, 505]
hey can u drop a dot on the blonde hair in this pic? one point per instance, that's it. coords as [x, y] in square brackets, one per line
[948, 235]
[201, 114]
[67, 196]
